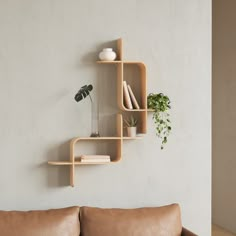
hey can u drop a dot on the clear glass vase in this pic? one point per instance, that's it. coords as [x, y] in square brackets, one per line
[94, 119]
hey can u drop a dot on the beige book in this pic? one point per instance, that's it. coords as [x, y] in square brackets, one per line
[94, 160]
[95, 156]
[127, 98]
[133, 99]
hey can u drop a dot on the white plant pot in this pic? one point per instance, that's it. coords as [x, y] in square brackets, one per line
[107, 54]
[131, 131]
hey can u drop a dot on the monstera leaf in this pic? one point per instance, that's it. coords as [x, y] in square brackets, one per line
[83, 92]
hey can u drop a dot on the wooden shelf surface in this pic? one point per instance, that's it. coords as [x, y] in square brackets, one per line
[109, 62]
[68, 163]
[118, 61]
[92, 163]
[96, 138]
[105, 138]
[60, 163]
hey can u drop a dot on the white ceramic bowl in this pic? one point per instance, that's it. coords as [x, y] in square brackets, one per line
[107, 54]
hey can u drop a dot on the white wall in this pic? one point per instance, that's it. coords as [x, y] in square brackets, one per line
[224, 115]
[47, 52]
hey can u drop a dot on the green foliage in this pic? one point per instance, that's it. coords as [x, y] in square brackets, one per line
[161, 106]
[83, 92]
[131, 122]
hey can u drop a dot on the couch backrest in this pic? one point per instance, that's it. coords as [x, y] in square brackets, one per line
[155, 221]
[56, 222]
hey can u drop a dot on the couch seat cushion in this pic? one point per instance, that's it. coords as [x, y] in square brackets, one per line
[155, 221]
[58, 222]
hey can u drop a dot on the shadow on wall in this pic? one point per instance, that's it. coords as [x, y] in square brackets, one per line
[58, 175]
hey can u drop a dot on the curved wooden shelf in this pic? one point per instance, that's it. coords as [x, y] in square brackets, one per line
[121, 67]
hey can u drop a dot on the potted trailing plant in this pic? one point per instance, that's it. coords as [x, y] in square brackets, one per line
[131, 125]
[83, 92]
[160, 104]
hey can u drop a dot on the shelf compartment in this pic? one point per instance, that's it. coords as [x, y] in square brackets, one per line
[119, 53]
[137, 71]
[118, 144]
[78, 162]
[134, 73]
[100, 144]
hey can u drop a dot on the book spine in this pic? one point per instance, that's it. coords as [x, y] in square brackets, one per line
[127, 99]
[134, 101]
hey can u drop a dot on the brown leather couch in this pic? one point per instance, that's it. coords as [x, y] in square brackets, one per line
[91, 221]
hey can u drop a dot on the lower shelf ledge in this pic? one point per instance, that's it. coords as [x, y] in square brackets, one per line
[92, 163]
[60, 163]
[132, 138]
[68, 163]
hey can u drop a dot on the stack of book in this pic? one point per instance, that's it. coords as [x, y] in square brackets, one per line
[129, 99]
[95, 158]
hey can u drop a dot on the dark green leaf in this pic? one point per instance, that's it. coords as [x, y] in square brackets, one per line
[83, 92]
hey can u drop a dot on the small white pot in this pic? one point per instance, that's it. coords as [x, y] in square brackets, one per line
[107, 54]
[131, 131]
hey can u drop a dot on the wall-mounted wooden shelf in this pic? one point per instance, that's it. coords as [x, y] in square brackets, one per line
[140, 80]
[122, 66]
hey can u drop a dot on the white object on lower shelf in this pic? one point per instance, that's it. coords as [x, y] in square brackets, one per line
[131, 131]
[95, 158]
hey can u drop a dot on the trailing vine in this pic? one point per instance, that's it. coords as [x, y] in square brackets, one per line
[161, 106]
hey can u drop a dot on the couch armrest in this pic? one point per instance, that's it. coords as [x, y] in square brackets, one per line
[186, 232]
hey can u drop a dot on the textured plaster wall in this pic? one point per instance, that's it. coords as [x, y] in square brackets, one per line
[224, 115]
[48, 50]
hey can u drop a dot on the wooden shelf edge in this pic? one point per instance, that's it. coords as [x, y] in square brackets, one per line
[133, 138]
[60, 163]
[108, 62]
[107, 138]
[118, 61]
[67, 163]
[95, 139]
[77, 163]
